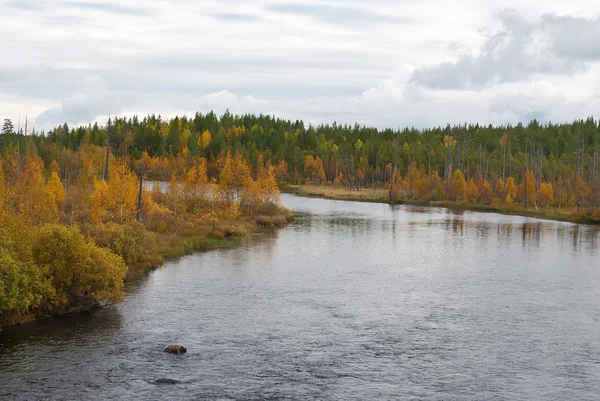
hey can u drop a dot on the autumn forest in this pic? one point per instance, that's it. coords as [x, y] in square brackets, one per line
[135, 191]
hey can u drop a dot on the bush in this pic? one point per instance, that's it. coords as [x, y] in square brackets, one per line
[131, 241]
[20, 284]
[80, 274]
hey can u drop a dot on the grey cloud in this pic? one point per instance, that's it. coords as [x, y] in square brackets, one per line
[102, 6]
[573, 37]
[241, 17]
[333, 13]
[29, 5]
[41, 81]
[510, 55]
[108, 7]
[90, 101]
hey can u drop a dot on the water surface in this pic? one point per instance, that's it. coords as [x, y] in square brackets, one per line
[352, 301]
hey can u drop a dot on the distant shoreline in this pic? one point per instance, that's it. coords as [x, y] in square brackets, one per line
[381, 196]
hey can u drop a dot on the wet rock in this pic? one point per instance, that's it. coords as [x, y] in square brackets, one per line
[164, 380]
[176, 349]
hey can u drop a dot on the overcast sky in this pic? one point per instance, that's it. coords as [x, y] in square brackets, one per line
[378, 62]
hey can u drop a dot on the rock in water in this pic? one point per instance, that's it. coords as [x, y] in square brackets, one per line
[176, 349]
[164, 380]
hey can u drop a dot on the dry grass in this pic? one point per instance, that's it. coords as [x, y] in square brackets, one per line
[364, 195]
[272, 221]
[589, 216]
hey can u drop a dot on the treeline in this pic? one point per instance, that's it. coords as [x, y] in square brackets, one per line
[71, 222]
[549, 165]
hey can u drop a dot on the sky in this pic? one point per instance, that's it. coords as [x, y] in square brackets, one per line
[384, 63]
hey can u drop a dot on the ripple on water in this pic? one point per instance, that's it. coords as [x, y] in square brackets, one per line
[353, 301]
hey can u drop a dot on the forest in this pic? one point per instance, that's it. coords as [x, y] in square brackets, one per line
[77, 204]
[537, 165]
[73, 222]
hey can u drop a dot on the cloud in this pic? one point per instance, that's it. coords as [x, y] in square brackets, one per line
[41, 81]
[334, 13]
[515, 53]
[91, 101]
[28, 5]
[235, 17]
[379, 62]
[101, 6]
[573, 37]
[224, 100]
[107, 7]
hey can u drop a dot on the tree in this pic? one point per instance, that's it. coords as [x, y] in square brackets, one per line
[511, 190]
[8, 127]
[545, 195]
[269, 191]
[499, 189]
[3, 191]
[55, 194]
[309, 167]
[411, 179]
[458, 187]
[33, 202]
[226, 179]
[204, 139]
[319, 171]
[164, 134]
[117, 199]
[282, 171]
[472, 191]
[527, 188]
[484, 190]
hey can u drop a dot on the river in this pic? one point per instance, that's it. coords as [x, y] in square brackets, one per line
[353, 301]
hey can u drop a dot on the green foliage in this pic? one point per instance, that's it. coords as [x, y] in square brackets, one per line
[79, 273]
[20, 284]
[132, 241]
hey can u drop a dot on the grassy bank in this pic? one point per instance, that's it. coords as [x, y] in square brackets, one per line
[197, 237]
[584, 216]
[96, 254]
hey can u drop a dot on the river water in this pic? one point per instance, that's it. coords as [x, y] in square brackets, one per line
[354, 301]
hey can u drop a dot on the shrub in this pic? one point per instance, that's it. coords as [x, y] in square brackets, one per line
[20, 284]
[80, 274]
[131, 241]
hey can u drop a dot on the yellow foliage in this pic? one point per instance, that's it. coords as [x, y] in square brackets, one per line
[204, 139]
[185, 136]
[458, 187]
[511, 190]
[472, 192]
[32, 193]
[82, 276]
[282, 171]
[531, 191]
[545, 195]
[55, 193]
[115, 200]
[499, 188]
[484, 190]
[3, 193]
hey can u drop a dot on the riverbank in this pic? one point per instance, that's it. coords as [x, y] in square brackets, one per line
[134, 249]
[584, 216]
[203, 237]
